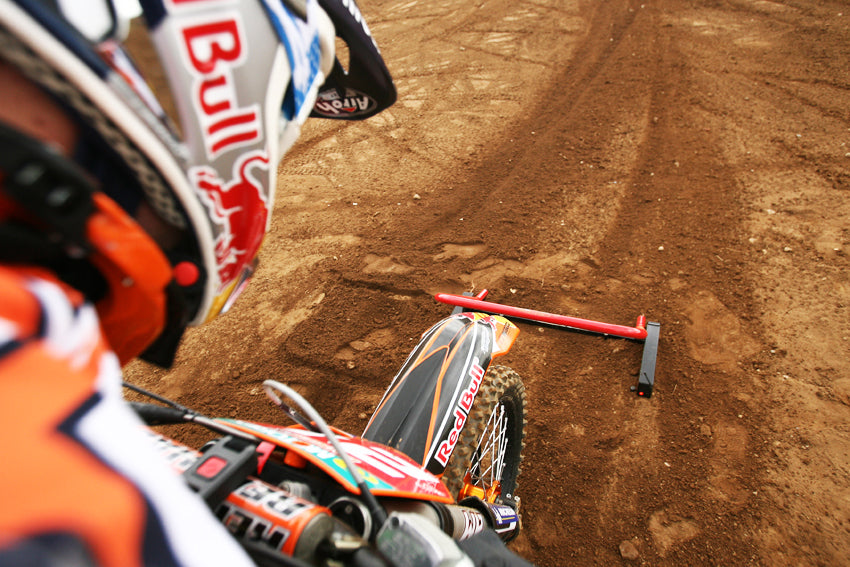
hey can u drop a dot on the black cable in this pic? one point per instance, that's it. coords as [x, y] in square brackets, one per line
[166, 401]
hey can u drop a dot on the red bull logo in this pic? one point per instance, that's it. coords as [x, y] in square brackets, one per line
[461, 411]
[238, 209]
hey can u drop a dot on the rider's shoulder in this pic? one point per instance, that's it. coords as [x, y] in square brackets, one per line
[33, 302]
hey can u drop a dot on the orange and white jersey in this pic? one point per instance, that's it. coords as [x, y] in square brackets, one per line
[79, 481]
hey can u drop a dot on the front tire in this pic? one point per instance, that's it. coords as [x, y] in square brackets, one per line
[486, 460]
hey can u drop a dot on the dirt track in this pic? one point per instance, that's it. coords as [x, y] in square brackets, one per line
[684, 159]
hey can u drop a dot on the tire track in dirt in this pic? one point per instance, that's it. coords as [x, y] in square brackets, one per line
[675, 262]
[631, 479]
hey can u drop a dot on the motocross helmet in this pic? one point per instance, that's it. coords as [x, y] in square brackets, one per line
[242, 75]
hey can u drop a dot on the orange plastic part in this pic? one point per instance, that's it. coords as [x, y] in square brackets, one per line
[133, 313]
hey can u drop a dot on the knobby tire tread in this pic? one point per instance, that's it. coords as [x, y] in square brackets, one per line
[500, 383]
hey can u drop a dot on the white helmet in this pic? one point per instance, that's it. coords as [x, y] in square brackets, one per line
[243, 76]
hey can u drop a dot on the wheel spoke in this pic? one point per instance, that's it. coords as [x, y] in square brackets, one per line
[488, 461]
[503, 442]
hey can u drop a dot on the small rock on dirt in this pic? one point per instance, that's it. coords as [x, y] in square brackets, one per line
[629, 551]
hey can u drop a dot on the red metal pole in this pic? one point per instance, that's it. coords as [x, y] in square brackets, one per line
[638, 332]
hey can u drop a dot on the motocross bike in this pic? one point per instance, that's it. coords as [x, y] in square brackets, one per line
[436, 464]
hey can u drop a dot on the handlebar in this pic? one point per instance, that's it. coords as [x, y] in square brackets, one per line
[277, 527]
[255, 511]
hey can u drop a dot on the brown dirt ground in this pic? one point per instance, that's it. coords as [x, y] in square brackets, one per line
[684, 159]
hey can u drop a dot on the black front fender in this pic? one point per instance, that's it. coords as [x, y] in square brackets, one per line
[425, 407]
